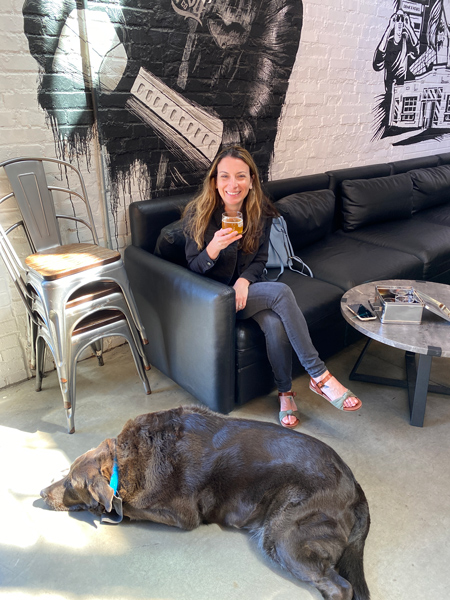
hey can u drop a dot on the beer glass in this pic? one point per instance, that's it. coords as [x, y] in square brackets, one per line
[233, 220]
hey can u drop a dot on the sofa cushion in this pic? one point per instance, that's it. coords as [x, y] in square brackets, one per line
[430, 242]
[436, 214]
[431, 187]
[346, 262]
[368, 201]
[308, 215]
[170, 244]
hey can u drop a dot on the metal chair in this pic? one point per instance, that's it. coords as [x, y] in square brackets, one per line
[63, 283]
[56, 270]
[102, 304]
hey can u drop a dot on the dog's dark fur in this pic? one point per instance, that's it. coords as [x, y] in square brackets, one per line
[188, 466]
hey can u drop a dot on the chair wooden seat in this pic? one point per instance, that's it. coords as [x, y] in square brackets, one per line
[70, 259]
[92, 291]
[96, 320]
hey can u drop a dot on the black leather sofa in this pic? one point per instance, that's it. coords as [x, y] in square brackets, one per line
[350, 226]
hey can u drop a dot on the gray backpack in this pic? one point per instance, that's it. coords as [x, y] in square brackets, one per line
[281, 254]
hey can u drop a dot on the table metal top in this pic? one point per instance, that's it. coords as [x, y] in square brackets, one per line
[431, 336]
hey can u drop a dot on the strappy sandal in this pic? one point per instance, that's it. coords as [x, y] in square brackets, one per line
[316, 387]
[288, 413]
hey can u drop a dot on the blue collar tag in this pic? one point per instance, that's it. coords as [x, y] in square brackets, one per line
[114, 483]
[116, 514]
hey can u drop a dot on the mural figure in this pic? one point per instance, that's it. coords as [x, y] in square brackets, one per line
[167, 82]
[397, 47]
[414, 55]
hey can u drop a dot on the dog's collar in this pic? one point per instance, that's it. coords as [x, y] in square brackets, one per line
[114, 481]
[116, 514]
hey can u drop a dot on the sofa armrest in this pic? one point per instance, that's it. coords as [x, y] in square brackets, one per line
[190, 325]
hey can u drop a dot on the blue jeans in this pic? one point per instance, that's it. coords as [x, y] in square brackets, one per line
[273, 306]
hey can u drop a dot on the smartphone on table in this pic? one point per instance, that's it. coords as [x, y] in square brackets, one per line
[362, 312]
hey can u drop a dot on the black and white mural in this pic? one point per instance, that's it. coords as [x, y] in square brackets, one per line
[414, 55]
[166, 82]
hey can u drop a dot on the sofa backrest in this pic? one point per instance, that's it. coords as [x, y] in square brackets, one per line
[444, 159]
[340, 175]
[376, 200]
[431, 187]
[148, 217]
[280, 188]
[308, 216]
[422, 162]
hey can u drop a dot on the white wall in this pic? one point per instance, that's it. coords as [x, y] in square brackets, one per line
[327, 122]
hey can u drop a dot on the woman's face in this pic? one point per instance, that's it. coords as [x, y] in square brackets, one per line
[233, 182]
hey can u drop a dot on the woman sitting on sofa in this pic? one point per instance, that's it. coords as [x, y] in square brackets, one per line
[232, 184]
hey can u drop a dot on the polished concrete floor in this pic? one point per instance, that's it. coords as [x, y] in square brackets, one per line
[403, 470]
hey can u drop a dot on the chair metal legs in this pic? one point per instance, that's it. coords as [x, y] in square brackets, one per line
[90, 331]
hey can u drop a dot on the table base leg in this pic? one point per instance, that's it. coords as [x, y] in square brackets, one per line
[416, 382]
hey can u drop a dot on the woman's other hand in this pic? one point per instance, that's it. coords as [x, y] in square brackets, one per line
[241, 289]
[222, 239]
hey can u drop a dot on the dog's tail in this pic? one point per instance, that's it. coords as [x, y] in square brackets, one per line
[350, 565]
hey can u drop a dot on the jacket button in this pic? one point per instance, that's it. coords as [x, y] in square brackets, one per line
[208, 263]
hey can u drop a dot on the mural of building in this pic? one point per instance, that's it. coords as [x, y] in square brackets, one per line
[423, 103]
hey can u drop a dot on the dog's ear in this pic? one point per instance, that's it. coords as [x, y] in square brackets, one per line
[102, 492]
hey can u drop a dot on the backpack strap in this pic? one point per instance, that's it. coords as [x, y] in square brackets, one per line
[303, 264]
[281, 267]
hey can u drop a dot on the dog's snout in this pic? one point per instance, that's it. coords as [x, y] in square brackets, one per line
[44, 494]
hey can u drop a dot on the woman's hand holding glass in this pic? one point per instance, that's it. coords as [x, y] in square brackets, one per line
[222, 239]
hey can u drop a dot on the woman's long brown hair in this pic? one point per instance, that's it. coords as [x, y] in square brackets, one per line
[256, 206]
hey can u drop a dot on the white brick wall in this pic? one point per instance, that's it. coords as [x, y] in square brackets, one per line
[327, 122]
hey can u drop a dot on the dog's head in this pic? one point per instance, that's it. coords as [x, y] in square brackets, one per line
[86, 487]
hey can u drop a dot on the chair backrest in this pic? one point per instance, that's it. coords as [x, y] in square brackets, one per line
[15, 269]
[29, 185]
[34, 197]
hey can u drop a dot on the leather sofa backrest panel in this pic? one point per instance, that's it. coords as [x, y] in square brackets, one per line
[444, 159]
[148, 217]
[403, 166]
[308, 215]
[171, 244]
[365, 172]
[284, 187]
[340, 175]
[431, 187]
[368, 201]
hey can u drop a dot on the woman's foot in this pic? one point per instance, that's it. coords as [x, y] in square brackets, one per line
[329, 387]
[288, 416]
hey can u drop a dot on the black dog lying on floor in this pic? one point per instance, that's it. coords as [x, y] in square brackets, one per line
[188, 466]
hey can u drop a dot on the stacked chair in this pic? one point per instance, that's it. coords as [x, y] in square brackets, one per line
[75, 294]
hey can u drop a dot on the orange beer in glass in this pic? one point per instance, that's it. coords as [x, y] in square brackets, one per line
[233, 220]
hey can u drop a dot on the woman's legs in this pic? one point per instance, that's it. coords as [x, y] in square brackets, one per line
[280, 358]
[278, 352]
[274, 308]
[275, 302]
